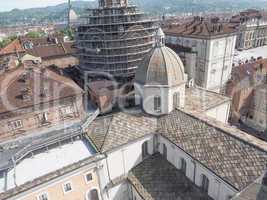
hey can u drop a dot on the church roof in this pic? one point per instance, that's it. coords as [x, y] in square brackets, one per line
[161, 67]
[119, 129]
[233, 159]
[156, 179]
[233, 155]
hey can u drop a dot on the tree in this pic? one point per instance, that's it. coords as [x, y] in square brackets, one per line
[7, 41]
[34, 34]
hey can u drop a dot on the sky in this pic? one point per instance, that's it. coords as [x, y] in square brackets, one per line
[6, 5]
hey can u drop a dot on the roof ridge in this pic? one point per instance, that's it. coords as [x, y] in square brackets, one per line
[165, 64]
[227, 129]
[107, 132]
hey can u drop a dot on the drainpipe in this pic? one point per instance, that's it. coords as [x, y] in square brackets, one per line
[14, 163]
[99, 167]
[108, 171]
[5, 175]
[195, 166]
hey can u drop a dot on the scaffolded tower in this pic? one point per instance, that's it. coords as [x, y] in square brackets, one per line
[114, 38]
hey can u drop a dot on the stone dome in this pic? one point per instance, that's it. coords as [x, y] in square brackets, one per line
[161, 67]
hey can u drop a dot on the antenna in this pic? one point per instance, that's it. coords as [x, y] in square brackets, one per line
[69, 8]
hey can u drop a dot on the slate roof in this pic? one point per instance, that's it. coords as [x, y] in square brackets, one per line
[234, 160]
[120, 128]
[233, 155]
[156, 179]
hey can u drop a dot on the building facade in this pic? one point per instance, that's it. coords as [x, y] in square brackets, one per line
[212, 45]
[247, 89]
[252, 29]
[35, 98]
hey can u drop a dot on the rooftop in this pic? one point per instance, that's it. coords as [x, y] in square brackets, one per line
[255, 191]
[52, 50]
[25, 87]
[233, 155]
[19, 148]
[220, 149]
[48, 161]
[244, 55]
[46, 178]
[120, 128]
[12, 48]
[200, 100]
[156, 179]
[199, 27]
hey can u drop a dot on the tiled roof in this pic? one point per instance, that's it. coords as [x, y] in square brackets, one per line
[255, 191]
[120, 128]
[233, 155]
[52, 50]
[14, 82]
[200, 100]
[199, 27]
[232, 159]
[156, 179]
[12, 48]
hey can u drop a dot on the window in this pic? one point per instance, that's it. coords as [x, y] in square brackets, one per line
[157, 104]
[43, 196]
[43, 118]
[176, 100]
[93, 195]
[144, 149]
[164, 151]
[229, 197]
[205, 184]
[15, 125]
[1, 174]
[183, 166]
[88, 177]
[67, 111]
[67, 187]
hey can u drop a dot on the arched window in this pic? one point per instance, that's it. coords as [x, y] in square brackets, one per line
[165, 151]
[205, 183]
[176, 100]
[157, 104]
[183, 166]
[144, 149]
[93, 195]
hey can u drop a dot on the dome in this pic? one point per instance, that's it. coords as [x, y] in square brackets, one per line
[161, 67]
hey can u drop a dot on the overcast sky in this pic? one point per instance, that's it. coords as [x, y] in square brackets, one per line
[6, 5]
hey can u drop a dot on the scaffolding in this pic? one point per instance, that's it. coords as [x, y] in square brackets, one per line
[114, 38]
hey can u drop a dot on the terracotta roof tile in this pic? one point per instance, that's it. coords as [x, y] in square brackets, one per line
[12, 48]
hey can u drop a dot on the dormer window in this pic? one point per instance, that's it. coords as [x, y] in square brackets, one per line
[43, 119]
[15, 125]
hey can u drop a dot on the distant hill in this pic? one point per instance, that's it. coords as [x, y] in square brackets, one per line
[156, 7]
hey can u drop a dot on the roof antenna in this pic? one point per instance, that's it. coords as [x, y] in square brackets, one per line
[69, 8]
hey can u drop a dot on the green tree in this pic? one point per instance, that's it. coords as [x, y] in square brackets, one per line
[34, 34]
[7, 41]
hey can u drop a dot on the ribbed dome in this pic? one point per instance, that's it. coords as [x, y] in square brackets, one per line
[161, 67]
